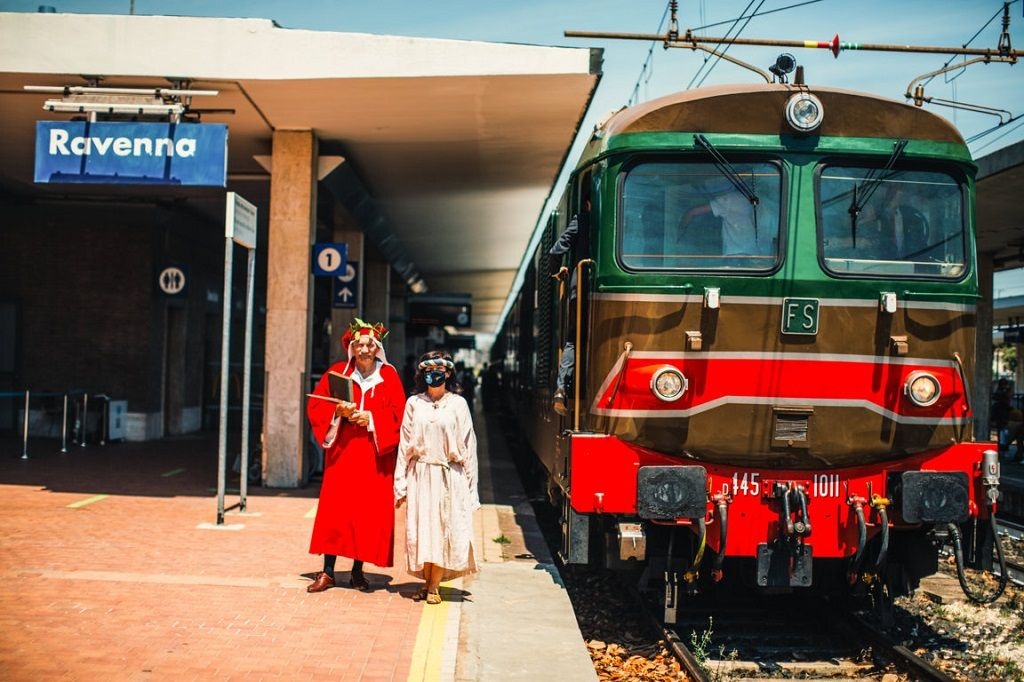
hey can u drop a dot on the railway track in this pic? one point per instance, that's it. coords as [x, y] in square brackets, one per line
[1012, 534]
[794, 643]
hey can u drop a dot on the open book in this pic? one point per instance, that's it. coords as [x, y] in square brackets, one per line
[340, 387]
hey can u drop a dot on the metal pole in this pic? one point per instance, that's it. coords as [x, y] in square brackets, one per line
[85, 417]
[225, 362]
[64, 426]
[577, 351]
[24, 437]
[104, 421]
[243, 485]
[834, 45]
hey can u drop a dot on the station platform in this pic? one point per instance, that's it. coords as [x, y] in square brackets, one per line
[112, 567]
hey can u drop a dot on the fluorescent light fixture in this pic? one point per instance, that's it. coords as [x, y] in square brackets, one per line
[150, 92]
[112, 108]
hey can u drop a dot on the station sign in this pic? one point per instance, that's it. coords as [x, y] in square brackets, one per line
[454, 310]
[329, 259]
[345, 288]
[240, 222]
[172, 281]
[120, 153]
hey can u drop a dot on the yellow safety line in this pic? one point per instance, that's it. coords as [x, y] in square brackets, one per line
[429, 647]
[172, 472]
[311, 514]
[88, 500]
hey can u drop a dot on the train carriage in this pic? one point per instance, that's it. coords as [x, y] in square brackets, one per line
[774, 315]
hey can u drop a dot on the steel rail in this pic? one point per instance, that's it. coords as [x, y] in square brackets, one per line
[900, 655]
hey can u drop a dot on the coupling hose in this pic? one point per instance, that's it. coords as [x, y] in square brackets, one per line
[958, 552]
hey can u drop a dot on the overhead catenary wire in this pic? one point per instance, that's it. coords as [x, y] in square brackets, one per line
[971, 40]
[648, 61]
[756, 14]
[729, 42]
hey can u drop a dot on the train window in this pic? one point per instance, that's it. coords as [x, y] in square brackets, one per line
[691, 216]
[908, 222]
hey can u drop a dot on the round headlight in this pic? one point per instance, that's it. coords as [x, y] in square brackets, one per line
[804, 112]
[922, 389]
[668, 383]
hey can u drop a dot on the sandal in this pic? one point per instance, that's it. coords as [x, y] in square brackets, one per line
[433, 598]
[420, 595]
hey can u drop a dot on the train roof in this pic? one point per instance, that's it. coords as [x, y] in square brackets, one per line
[760, 109]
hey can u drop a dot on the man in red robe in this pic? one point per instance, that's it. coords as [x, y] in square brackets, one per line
[356, 515]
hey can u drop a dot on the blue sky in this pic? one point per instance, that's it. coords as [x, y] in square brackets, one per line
[542, 22]
[920, 22]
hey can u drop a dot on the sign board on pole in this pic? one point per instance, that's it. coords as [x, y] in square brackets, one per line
[122, 153]
[329, 259]
[345, 288]
[172, 281]
[240, 223]
[453, 310]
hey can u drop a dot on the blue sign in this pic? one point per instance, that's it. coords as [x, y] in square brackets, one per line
[329, 259]
[132, 153]
[345, 289]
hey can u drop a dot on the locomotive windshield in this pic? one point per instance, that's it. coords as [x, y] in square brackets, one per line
[891, 224]
[692, 216]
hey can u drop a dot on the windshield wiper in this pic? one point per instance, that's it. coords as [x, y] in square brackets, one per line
[862, 192]
[726, 169]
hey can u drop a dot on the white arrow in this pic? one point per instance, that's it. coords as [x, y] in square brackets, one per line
[346, 294]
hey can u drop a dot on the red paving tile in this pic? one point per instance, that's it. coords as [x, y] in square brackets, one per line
[128, 588]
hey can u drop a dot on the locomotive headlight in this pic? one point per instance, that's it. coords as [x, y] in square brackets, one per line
[804, 112]
[922, 389]
[668, 383]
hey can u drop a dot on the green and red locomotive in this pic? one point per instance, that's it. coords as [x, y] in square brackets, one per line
[774, 316]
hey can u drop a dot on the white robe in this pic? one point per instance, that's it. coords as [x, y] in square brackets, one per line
[437, 473]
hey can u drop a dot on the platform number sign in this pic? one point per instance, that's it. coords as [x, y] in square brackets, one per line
[329, 259]
[345, 288]
[800, 316]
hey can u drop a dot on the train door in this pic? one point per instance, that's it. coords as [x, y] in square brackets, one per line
[574, 246]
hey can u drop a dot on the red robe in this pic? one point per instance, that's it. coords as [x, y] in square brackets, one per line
[356, 514]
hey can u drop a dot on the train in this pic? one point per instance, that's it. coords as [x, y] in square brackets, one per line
[773, 315]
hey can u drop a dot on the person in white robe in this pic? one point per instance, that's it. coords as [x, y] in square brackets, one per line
[436, 473]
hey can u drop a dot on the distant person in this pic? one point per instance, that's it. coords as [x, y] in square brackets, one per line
[573, 242]
[437, 474]
[735, 214]
[999, 414]
[1015, 434]
[892, 227]
[489, 386]
[467, 382]
[355, 517]
[409, 373]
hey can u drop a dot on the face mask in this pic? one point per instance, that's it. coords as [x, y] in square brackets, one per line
[435, 378]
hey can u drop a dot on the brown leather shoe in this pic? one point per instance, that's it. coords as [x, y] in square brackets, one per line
[322, 582]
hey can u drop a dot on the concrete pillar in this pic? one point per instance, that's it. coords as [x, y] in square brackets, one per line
[289, 306]
[982, 389]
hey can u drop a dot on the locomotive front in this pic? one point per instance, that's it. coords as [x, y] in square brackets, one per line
[778, 334]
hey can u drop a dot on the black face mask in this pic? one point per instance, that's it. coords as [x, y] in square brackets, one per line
[435, 378]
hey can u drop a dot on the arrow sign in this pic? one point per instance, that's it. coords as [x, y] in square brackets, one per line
[345, 287]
